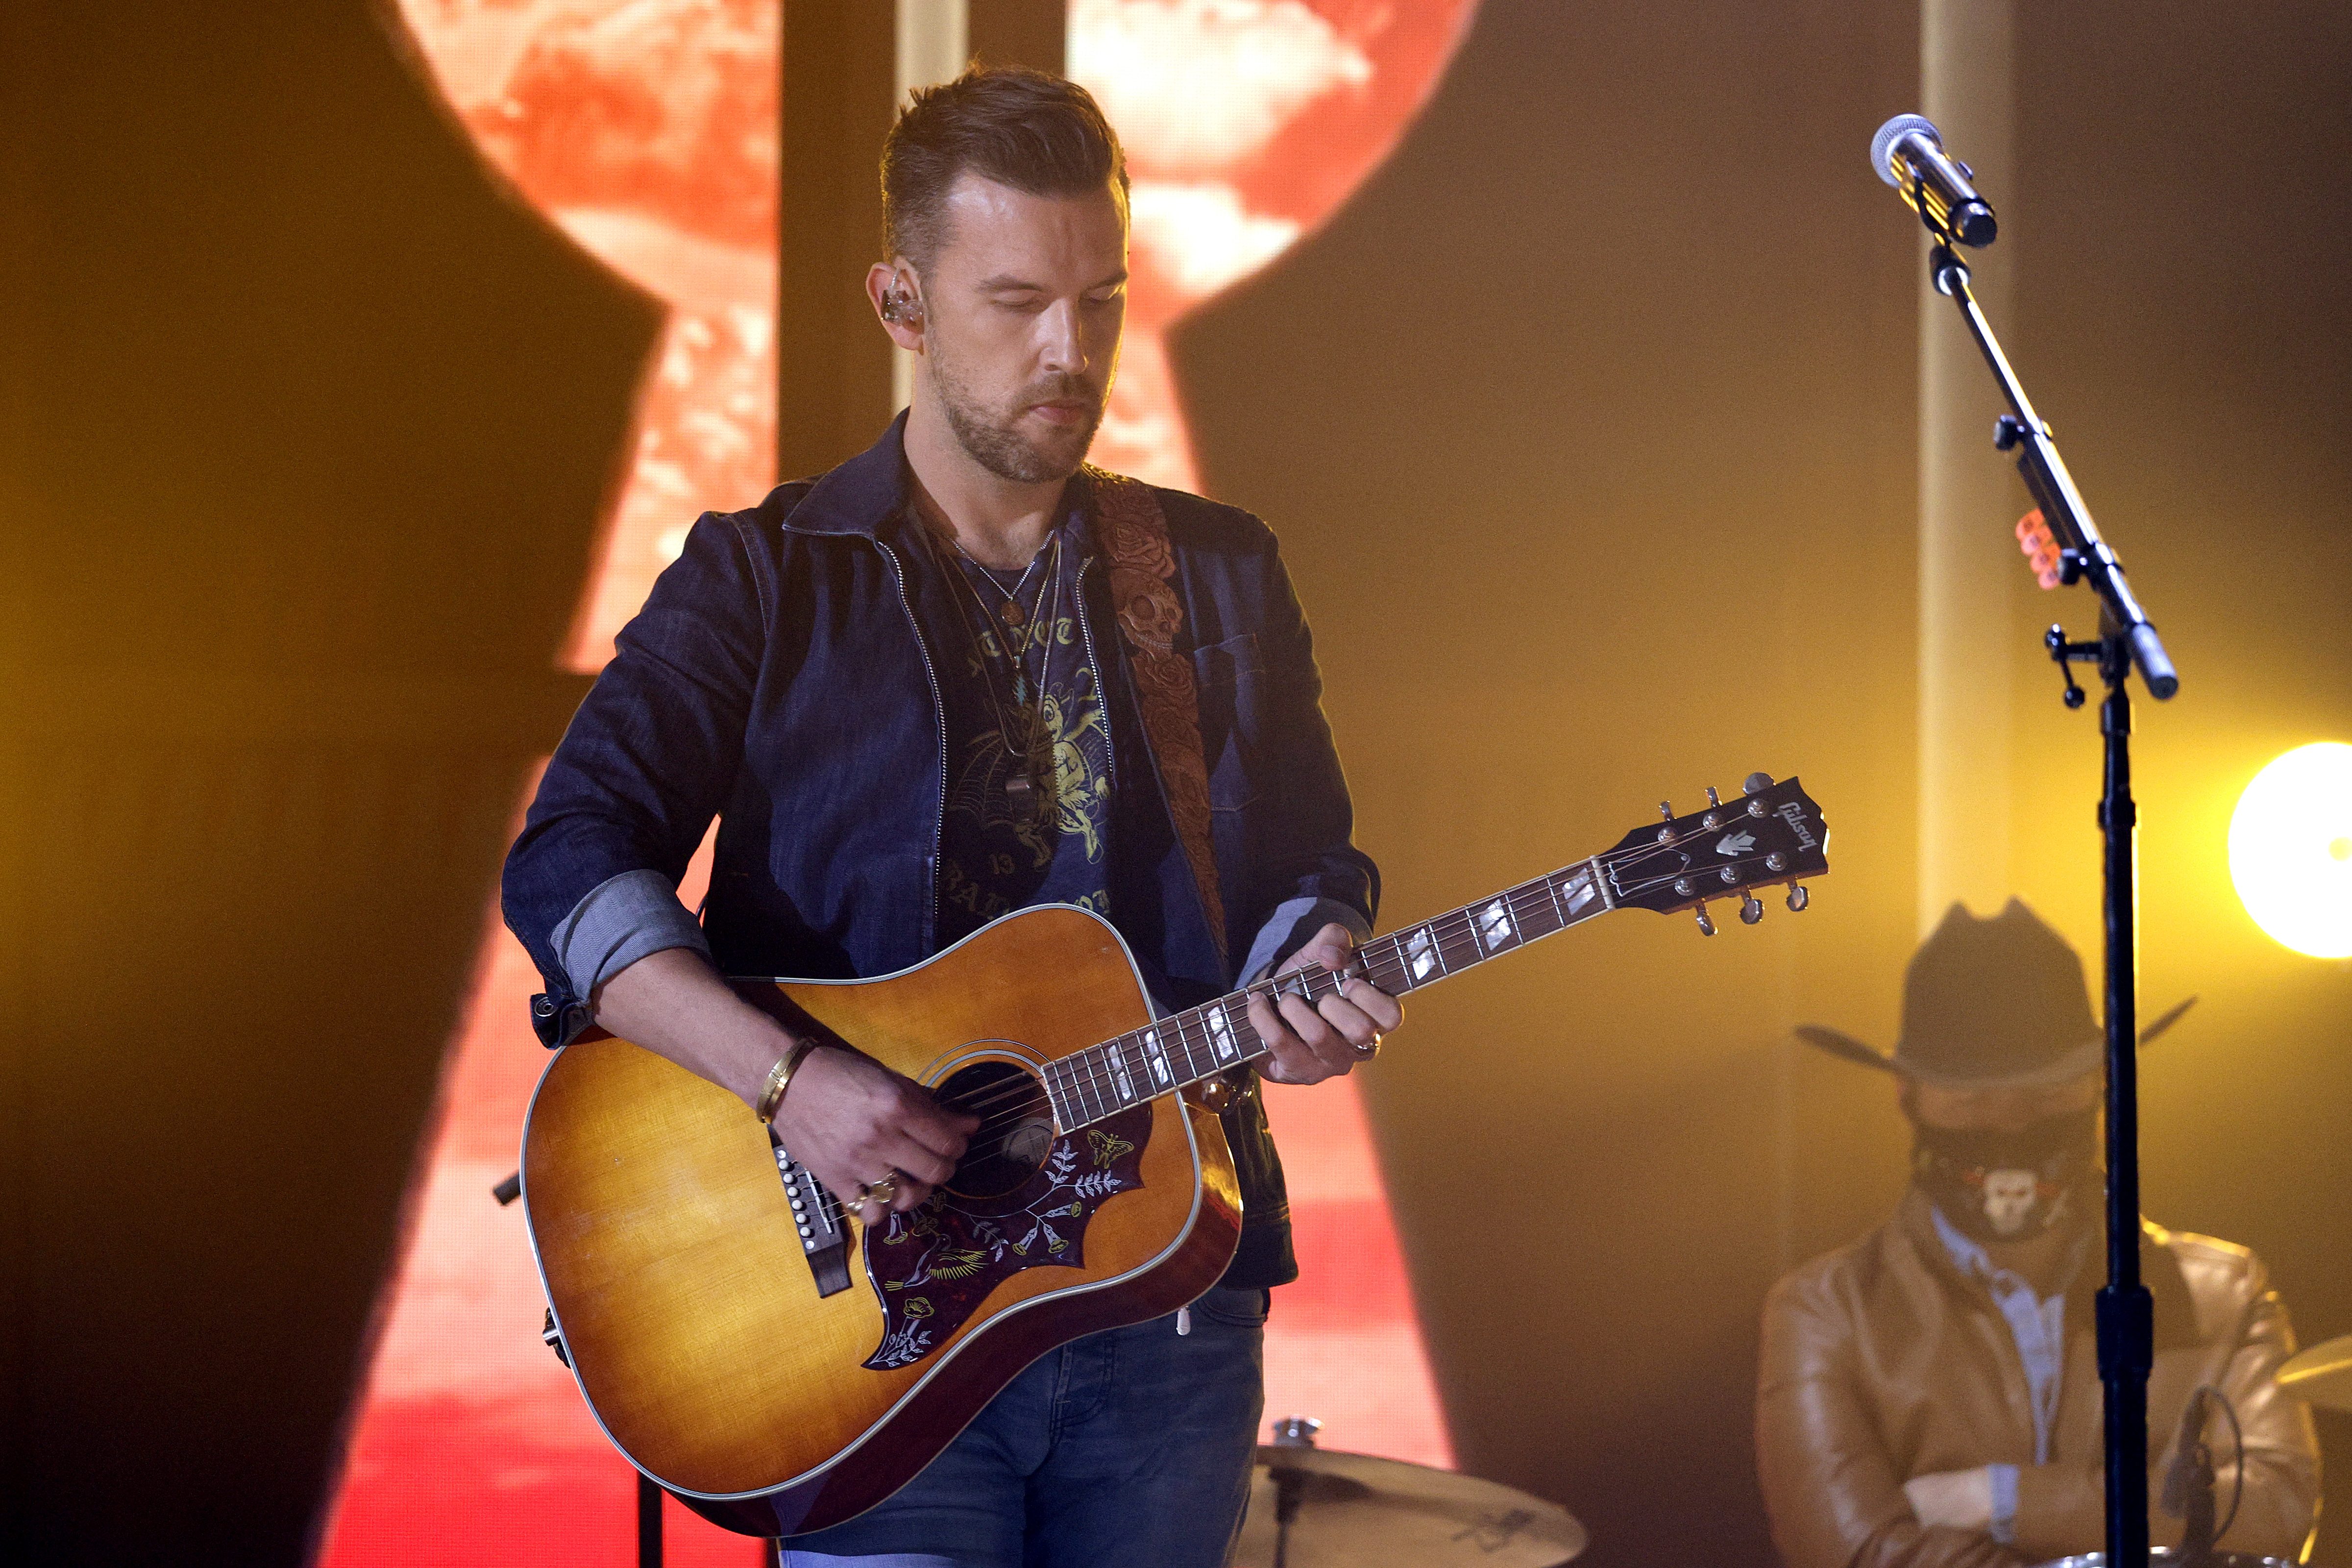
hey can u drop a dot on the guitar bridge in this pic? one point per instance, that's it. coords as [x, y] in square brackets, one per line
[825, 1240]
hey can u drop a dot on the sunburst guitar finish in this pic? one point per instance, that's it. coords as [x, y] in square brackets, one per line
[674, 1264]
[1095, 1193]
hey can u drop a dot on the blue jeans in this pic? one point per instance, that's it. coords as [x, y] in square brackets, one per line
[1131, 1447]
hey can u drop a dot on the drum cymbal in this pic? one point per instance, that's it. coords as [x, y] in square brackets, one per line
[2322, 1375]
[1356, 1510]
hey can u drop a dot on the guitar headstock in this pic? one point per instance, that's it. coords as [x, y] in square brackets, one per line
[1772, 832]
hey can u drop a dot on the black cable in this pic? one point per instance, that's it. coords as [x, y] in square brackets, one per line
[2237, 1436]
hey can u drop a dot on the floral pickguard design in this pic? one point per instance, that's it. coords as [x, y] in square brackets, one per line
[933, 1265]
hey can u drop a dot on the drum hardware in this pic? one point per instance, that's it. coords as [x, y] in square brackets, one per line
[1320, 1507]
[2172, 1557]
[2322, 1375]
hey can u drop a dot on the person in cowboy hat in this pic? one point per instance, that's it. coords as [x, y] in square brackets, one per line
[1929, 1396]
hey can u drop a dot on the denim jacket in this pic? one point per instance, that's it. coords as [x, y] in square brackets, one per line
[778, 677]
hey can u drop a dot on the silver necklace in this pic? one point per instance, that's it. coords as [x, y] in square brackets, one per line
[1021, 784]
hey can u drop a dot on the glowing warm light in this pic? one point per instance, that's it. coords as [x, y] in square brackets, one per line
[2290, 849]
[1247, 123]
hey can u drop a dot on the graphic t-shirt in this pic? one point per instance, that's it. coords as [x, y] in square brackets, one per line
[1028, 784]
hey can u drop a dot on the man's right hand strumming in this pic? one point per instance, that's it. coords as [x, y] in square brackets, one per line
[847, 1118]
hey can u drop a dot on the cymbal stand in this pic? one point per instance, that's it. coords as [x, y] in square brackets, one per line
[1289, 1485]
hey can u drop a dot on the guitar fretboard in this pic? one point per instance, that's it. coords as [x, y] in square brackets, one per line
[1200, 1042]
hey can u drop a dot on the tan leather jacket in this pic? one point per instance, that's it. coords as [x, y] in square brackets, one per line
[1882, 1360]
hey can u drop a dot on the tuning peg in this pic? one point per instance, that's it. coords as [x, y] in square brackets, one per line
[1705, 925]
[1751, 909]
[1666, 811]
[1798, 897]
[1757, 784]
[1713, 798]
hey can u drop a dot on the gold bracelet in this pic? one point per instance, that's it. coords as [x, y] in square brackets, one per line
[780, 1078]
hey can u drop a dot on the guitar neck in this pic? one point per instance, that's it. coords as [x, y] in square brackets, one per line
[1200, 1042]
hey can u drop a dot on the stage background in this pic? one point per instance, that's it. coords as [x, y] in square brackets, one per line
[1590, 426]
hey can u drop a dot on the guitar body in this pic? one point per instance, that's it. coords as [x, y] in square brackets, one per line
[692, 1317]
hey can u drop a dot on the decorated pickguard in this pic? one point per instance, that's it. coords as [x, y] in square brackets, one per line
[932, 1266]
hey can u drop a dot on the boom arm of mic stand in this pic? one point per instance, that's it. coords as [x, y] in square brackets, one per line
[2053, 488]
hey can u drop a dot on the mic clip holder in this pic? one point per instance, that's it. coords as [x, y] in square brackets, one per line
[2066, 655]
[1969, 223]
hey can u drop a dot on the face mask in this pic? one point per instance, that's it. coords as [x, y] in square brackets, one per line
[2006, 1186]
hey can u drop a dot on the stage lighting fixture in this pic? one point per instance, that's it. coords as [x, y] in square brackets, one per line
[2290, 849]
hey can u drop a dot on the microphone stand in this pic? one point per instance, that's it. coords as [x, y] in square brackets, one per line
[2126, 1312]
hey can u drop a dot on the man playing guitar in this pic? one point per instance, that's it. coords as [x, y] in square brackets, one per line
[909, 693]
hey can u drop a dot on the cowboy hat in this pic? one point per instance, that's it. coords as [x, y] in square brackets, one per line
[1991, 1004]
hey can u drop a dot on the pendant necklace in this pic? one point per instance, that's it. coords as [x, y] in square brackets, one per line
[1021, 785]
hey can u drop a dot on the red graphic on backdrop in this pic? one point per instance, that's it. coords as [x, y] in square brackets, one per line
[647, 130]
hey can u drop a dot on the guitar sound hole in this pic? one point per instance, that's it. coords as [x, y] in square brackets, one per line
[1016, 1133]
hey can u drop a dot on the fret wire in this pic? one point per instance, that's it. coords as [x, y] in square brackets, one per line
[1115, 1067]
[1083, 1074]
[1099, 1080]
[1059, 1086]
[1068, 1111]
[1200, 1046]
[1053, 1099]
[1106, 1076]
[1398, 962]
[1181, 1066]
[1544, 909]
[1212, 1062]
[1247, 1041]
[1159, 1067]
[1147, 1080]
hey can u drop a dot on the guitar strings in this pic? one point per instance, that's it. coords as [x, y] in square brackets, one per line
[1442, 931]
[1027, 1090]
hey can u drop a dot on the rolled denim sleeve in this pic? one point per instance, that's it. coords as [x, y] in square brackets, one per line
[643, 767]
[1292, 925]
[622, 919]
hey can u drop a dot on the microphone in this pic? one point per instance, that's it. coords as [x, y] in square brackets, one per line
[1908, 153]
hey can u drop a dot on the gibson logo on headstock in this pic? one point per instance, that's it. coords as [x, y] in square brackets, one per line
[1794, 816]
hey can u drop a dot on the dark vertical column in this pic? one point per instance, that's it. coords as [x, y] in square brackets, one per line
[2126, 1311]
[1032, 33]
[833, 363]
[306, 430]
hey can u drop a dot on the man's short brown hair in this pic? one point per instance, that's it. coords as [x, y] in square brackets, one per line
[1021, 128]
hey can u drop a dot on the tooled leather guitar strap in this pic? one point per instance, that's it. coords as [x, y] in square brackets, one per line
[1133, 532]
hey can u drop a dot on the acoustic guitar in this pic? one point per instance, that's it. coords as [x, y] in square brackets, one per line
[780, 1367]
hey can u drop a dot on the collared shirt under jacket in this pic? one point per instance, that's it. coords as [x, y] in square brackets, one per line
[1885, 1361]
[782, 676]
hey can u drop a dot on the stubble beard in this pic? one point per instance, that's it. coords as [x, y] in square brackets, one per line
[991, 436]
